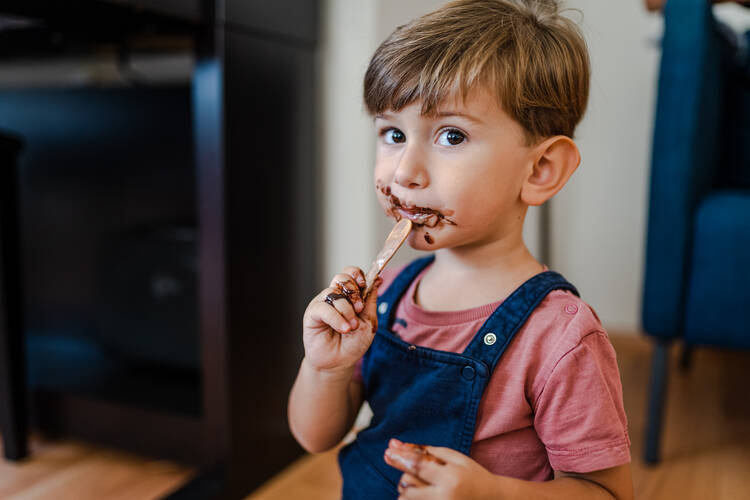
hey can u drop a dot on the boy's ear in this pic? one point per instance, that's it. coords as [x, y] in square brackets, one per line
[555, 160]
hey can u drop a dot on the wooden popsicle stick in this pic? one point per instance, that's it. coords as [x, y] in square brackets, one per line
[393, 242]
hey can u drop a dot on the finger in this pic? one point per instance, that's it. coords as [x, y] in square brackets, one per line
[419, 448]
[357, 274]
[344, 278]
[340, 302]
[417, 464]
[346, 285]
[320, 312]
[410, 461]
[426, 492]
[409, 481]
[370, 311]
[448, 455]
[344, 307]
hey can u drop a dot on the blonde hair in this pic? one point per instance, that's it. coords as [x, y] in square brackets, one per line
[532, 58]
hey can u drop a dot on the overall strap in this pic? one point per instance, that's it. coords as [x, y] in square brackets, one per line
[389, 300]
[493, 337]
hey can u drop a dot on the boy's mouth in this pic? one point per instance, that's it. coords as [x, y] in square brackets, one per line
[420, 216]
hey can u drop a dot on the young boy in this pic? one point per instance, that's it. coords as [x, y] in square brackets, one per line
[478, 351]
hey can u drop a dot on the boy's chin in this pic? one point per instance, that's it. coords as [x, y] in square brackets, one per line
[421, 238]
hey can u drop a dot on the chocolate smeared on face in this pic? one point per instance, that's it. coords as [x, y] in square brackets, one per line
[420, 216]
[428, 238]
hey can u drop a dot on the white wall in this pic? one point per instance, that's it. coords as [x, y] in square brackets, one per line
[345, 134]
[598, 220]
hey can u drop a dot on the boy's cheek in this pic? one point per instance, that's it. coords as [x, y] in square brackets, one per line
[417, 241]
[381, 177]
[430, 239]
[380, 194]
[383, 201]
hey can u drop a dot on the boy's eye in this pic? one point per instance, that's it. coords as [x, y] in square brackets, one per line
[451, 137]
[394, 136]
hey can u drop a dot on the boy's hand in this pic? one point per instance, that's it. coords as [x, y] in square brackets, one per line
[338, 327]
[439, 473]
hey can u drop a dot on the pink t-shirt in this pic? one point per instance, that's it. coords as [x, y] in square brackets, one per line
[554, 401]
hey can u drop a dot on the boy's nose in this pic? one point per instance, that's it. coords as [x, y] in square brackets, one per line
[410, 171]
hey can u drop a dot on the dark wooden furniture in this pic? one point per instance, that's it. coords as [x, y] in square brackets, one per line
[251, 108]
[12, 375]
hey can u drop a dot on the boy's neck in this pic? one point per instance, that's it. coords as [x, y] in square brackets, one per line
[500, 256]
[485, 274]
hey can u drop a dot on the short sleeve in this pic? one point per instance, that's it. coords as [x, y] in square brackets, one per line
[579, 415]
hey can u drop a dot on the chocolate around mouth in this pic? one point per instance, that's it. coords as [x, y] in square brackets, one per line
[420, 216]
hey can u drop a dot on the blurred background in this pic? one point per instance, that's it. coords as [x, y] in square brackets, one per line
[178, 178]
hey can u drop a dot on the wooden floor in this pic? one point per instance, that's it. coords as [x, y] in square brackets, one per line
[706, 446]
[67, 470]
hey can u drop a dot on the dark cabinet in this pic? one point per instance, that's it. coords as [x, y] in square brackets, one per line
[168, 229]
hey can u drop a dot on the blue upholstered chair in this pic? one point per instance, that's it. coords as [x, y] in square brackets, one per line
[697, 281]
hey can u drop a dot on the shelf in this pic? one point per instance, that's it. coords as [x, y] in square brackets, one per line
[75, 365]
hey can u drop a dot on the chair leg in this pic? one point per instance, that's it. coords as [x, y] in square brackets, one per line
[656, 400]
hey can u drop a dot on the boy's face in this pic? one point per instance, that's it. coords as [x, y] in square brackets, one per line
[457, 175]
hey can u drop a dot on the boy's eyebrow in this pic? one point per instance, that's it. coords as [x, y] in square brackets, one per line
[443, 114]
[439, 114]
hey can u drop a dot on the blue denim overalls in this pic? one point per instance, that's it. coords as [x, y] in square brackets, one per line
[425, 396]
